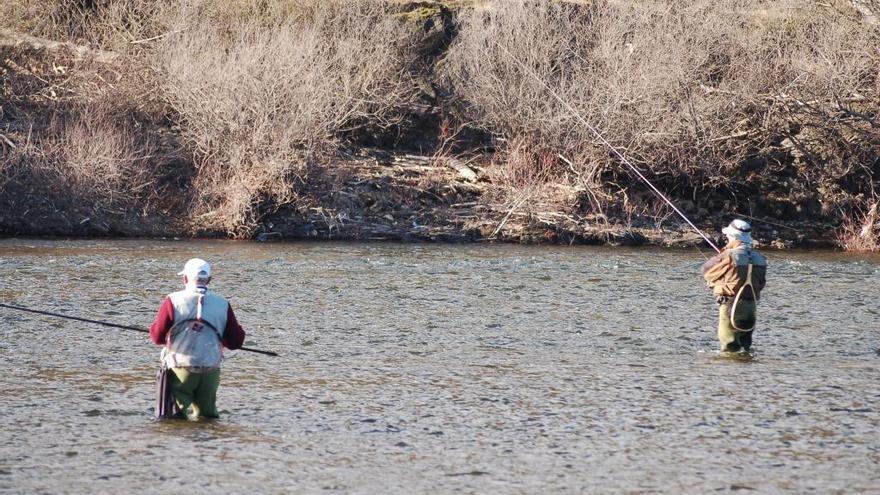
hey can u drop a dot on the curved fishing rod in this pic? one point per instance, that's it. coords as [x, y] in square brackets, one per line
[108, 324]
[604, 141]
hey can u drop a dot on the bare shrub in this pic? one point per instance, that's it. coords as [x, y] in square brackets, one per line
[108, 24]
[530, 181]
[525, 165]
[860, 231]
[100, 156]
[90, 155]
[686, 89]
[260, 92]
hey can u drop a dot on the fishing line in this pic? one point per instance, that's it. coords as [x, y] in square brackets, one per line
[108, 324]
[604, 141]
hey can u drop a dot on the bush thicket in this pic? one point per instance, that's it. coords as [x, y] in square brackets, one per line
[259, 94]
[769, 106]
[688, 89]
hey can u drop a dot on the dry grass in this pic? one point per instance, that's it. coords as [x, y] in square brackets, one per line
[260, 94]
[91, 140]
[687, 89]
[101, 156]
[860, 231]
[90, 155]
[106, 24]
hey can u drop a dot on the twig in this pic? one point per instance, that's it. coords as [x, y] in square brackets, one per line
[154, 38]
[7, 141]
[736, 135]
[516, 204]
[768, 222]
[567, 161]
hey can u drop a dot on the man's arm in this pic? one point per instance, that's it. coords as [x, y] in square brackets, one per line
[718, 275]
[163, 323]
[711, 262]
[233, 335]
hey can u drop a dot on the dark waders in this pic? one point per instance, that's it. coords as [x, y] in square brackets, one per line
[737, 317]
[731, 339]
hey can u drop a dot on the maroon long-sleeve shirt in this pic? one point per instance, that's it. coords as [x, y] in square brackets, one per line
[233, 335]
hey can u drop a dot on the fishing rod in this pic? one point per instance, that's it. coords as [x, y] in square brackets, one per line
[108, 324]
[604, 141]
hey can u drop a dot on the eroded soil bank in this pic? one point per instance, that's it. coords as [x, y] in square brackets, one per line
[97, 138]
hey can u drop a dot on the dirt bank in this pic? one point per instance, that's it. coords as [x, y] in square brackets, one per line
[452, 140]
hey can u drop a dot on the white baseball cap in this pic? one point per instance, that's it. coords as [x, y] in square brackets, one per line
[195, 269]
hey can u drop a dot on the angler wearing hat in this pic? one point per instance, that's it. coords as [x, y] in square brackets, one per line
[193, 325]
[737, 276]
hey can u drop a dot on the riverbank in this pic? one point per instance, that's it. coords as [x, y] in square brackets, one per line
[427, 127]
[407, 198]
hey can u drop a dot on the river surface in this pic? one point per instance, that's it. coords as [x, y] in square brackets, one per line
[442, 369]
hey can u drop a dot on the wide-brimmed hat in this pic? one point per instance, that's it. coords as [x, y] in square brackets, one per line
[739, 230]
[196, 269]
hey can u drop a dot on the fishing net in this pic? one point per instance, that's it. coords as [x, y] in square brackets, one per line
[743, 310]
[166, 406]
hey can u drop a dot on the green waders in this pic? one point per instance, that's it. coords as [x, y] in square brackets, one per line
[198, 390]
[733, 340]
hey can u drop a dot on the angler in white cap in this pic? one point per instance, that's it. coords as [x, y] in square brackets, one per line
[194, 325]
[736, 275]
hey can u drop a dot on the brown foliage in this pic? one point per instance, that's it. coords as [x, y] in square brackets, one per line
[732, 105]
[260, 95]
[860, 231]
[686, 89]
[92, 155]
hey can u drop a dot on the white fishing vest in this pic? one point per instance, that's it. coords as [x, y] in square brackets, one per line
[194, 340]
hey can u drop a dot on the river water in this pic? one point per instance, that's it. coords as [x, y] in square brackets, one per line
[442, 369]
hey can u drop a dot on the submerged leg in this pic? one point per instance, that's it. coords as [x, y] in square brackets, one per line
[745, 340]
[183, 385]
[726, 334]
[745, 315]
[205, 400]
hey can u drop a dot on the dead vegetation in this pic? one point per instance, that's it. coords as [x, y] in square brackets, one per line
[697, 93]
[239, 118]
[260, 103]
[860, 231]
